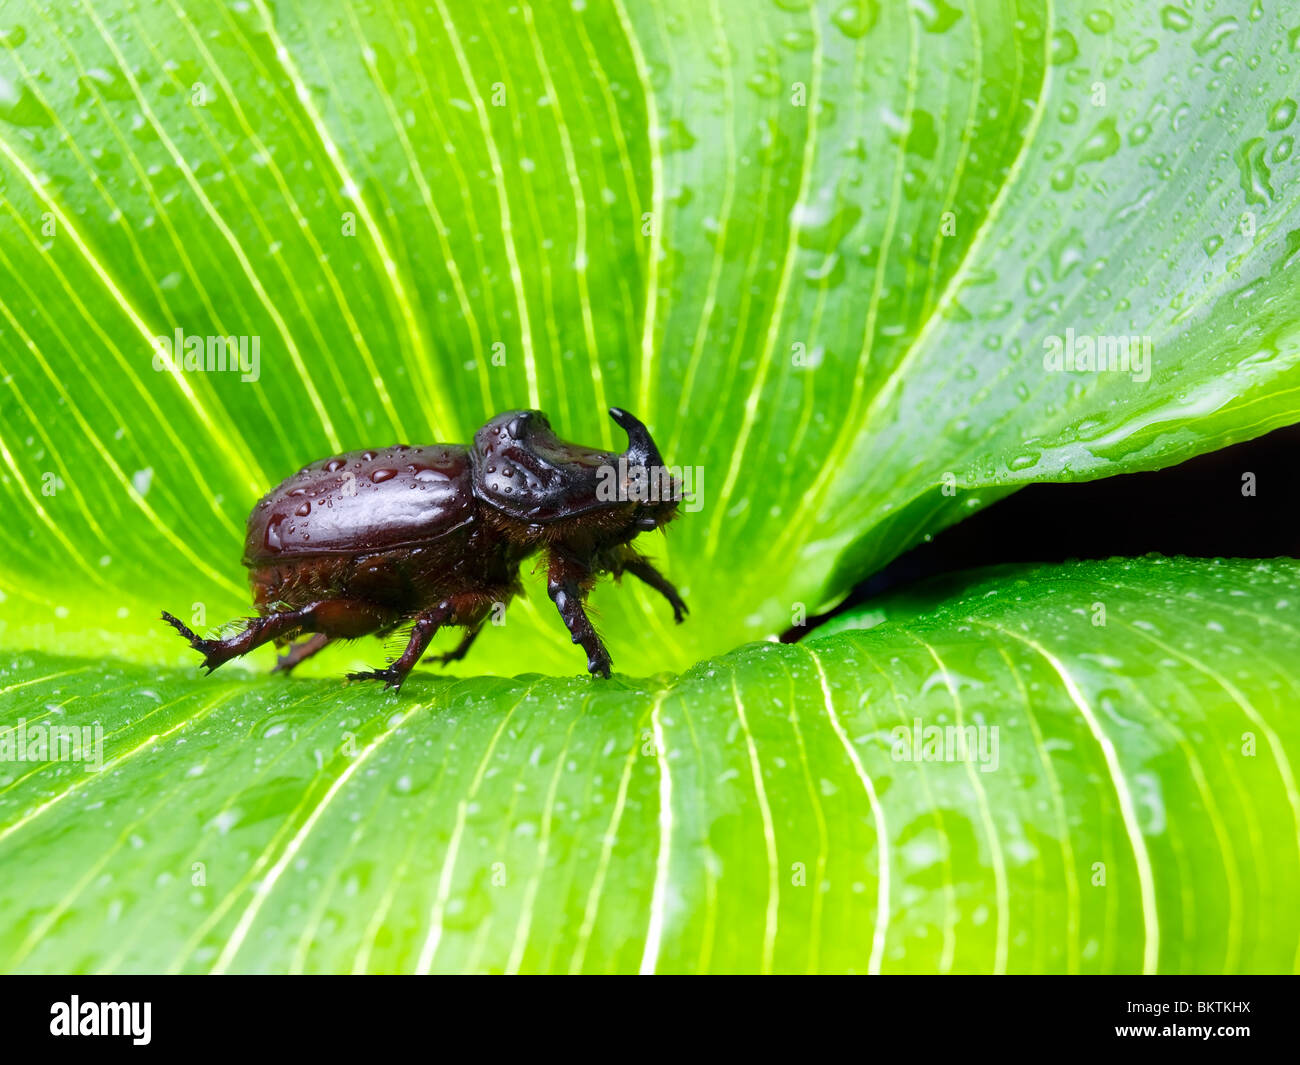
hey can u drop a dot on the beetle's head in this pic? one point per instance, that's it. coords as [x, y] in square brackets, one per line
[524, 471]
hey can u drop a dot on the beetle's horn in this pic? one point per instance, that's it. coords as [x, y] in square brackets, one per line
[641, 450]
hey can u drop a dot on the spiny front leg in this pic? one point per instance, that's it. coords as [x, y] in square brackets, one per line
[257, 632]
[426, 625]
[645, 571]
[565, 579]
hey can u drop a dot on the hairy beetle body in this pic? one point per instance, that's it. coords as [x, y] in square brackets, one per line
[432, 536]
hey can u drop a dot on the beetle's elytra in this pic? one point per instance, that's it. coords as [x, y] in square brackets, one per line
[367, 542]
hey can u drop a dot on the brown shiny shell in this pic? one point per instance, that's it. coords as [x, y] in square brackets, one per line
[363, 501]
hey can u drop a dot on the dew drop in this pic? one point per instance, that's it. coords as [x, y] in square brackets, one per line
[1102, 142]
[1064, 48]
[856, 19]
[1282, 115]
[1099, 21]
[1215, 35]
[1255, 176]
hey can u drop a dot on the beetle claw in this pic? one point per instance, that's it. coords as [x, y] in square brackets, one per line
[392, 678]
[182, 628]
[209, 649]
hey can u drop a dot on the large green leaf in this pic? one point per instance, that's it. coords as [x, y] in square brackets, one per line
[752, 814]
[817, 247]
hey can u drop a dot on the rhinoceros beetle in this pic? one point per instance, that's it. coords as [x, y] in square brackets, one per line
[371, 541]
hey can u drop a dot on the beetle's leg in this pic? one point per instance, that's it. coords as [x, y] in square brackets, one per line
[564, 585]
[257, 632]
[643, 569]
[461, 649]
[300, 652]
[426, 624]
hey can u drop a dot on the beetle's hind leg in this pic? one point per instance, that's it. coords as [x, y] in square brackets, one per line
[300, 652]
[257, 632]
